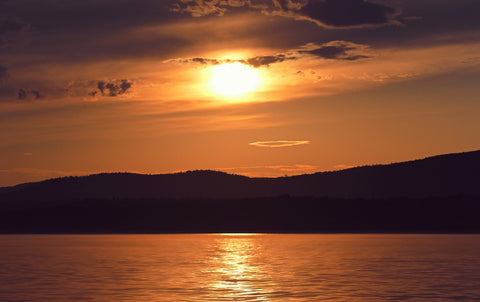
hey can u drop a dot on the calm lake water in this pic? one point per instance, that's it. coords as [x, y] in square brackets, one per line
[240, 268]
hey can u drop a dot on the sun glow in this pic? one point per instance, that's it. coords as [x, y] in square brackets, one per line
[234, 79]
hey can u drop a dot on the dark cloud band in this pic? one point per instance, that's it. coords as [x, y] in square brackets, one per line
[325, 13]
[337, 50]
[347, 13]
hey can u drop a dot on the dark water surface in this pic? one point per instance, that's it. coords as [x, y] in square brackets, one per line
[240, 268]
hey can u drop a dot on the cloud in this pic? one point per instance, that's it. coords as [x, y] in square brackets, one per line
[111, 88]
[294, 168]
[334, 50]
[324, 13]
[24, 93]
[300, 73]
[267, 60]
[198, 8]
[255, 62]
[36, 93]
[278, 144]
[204, 61]
[337, 50]
[347, 13]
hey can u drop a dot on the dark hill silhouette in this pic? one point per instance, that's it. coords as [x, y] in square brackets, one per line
[444, 175]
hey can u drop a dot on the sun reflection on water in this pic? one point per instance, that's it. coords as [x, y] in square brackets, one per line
[233, 270]
[205, 268]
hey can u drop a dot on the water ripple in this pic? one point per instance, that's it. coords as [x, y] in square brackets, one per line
[240, 268]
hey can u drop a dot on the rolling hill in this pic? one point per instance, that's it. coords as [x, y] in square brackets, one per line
[443, 175]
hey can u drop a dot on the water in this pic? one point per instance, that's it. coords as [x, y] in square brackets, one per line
[240, 268]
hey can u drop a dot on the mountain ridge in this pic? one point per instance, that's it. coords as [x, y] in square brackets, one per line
[440, 175]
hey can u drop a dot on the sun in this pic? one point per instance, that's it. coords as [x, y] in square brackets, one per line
[234, 79]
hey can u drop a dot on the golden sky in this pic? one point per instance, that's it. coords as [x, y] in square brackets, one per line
[254, 87]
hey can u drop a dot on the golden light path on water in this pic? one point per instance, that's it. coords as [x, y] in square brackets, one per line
[239, 267]
[235, 274]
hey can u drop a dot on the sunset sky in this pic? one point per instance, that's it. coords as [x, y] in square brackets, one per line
[252, 87]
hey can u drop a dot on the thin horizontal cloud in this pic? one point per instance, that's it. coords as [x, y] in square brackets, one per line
[298, 168]
[267, 60]
[333, 50]
[278, 144]
[256, 62]
[57, 90]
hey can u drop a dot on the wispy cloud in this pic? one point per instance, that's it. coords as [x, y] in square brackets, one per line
[278, 144]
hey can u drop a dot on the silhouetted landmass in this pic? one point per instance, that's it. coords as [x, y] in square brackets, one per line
[444, 175]
[284, 214]
[435, 195]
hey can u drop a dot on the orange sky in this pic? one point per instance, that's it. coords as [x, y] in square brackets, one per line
[113, 86]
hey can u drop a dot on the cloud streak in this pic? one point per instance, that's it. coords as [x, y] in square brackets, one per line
[256, 62]
[334, 50]
[278, 144]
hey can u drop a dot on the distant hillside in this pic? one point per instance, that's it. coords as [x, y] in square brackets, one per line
[444, 175]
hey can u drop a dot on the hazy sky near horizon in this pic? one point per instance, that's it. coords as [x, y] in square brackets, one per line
[119, 85]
